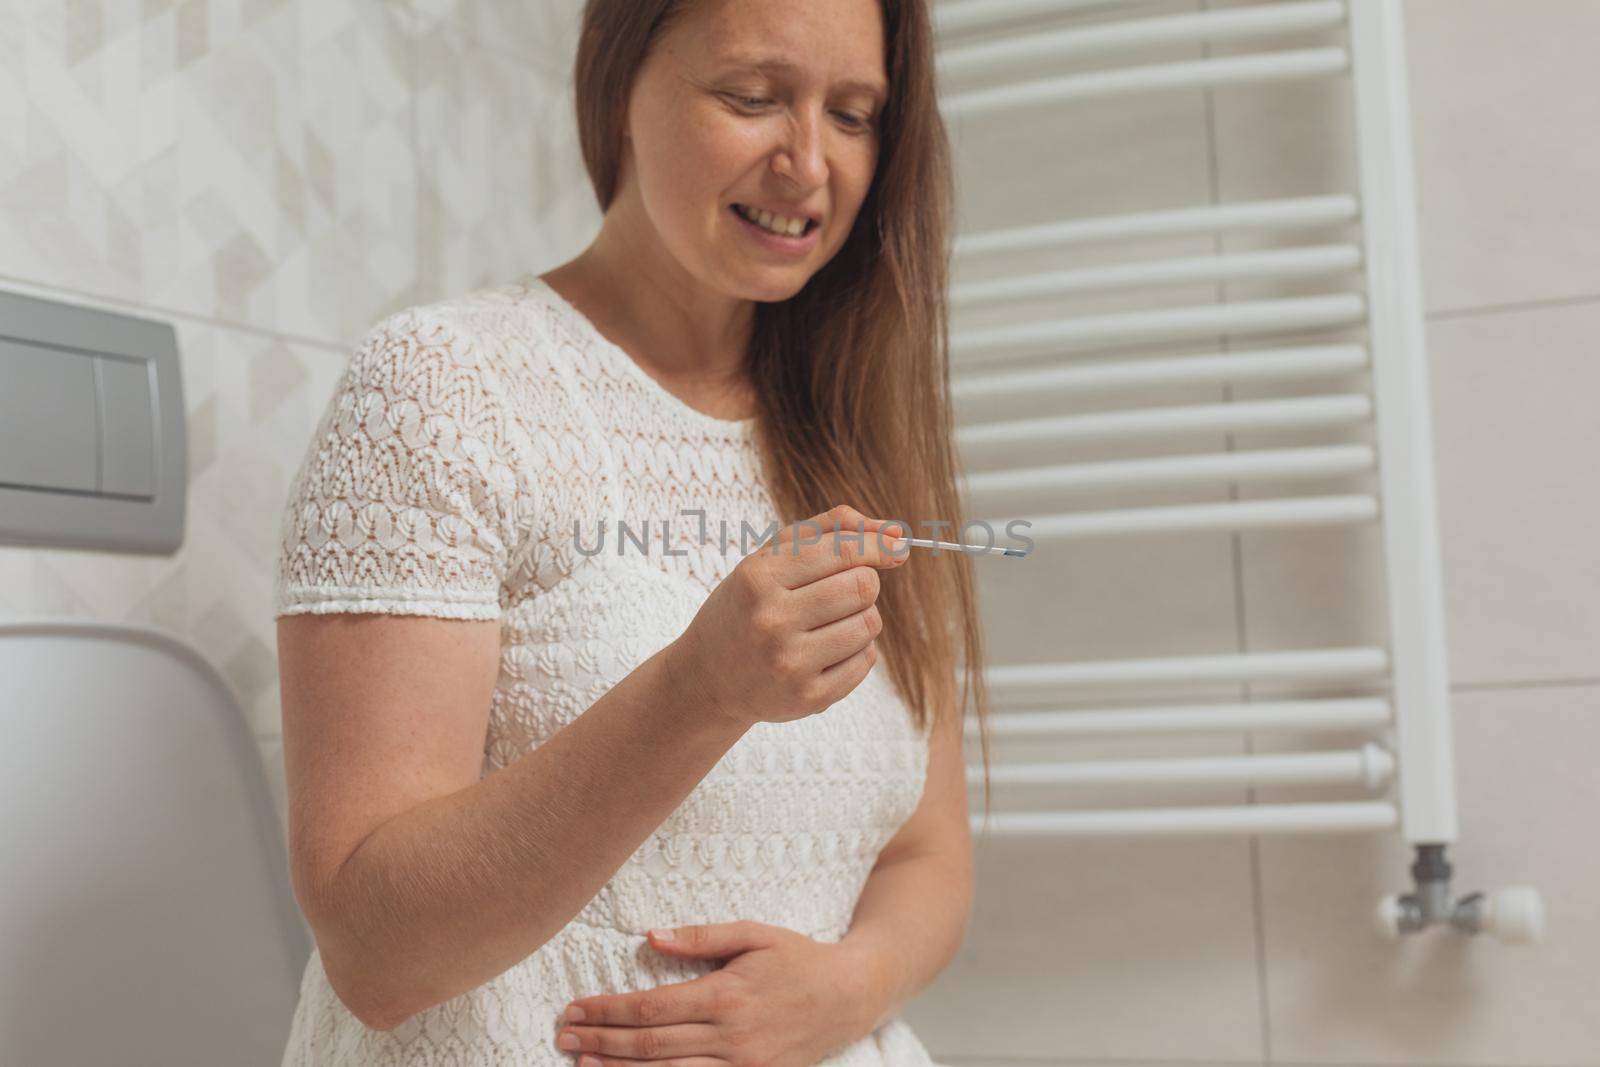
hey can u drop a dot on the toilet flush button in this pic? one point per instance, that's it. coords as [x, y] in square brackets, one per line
[127, 427]
[47, 421]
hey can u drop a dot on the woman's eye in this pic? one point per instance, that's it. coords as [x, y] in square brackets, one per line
[854, 121]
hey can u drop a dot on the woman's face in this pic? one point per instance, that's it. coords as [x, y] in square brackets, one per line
[766, 103]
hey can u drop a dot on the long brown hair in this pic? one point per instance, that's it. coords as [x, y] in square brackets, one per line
[852, 373]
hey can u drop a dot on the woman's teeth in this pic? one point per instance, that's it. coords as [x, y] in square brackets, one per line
[778, 224]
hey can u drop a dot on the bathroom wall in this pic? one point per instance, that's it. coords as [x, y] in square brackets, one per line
[273, 177]
[1263, 950]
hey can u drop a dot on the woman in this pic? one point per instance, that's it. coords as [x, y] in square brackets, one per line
[553, 677]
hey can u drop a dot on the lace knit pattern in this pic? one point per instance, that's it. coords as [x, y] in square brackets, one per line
[465, 468]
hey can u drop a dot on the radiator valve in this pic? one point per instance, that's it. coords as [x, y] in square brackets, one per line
[1514, 913]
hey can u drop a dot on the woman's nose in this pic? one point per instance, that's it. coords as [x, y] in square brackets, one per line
[802, 157]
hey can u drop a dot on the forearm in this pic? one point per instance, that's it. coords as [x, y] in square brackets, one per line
[455, 891]
[909, 923]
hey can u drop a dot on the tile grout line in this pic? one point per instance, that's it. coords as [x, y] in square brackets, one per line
[1241, 608]
[1579, 682]
[1535, 304]
[102, 301]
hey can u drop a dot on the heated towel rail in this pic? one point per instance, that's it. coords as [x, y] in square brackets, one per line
[983, 45]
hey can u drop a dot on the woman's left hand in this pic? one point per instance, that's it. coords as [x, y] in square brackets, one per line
[782, 1000]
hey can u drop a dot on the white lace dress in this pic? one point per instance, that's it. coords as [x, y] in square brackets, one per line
[465, 445]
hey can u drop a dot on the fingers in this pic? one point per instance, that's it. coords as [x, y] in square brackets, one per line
[839, 640]
[806, 602]
[609, 1023]
[834, 597]
[845, 675]
[842, 516]
[678, 1002]
[655, 1042]
[831, 543]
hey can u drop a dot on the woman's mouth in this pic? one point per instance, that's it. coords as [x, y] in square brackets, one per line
[778, 242]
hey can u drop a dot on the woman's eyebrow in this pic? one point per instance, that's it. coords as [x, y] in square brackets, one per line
[778, 65]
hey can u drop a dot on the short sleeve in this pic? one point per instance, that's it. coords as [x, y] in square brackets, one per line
[405, 502]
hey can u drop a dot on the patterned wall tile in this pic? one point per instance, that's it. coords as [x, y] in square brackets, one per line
[543, 33]
[501, 186]
[248, 162]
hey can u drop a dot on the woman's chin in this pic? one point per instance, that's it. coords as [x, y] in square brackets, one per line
[771, 286]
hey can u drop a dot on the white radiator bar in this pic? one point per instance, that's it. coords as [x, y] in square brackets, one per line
[1261, 365]
[1370, 766]
[1290, 413]
[1359, 713]
[1229, 70]
[1347, 817]
[1256, 465]
[1132, 327]
[1311, 261]
[1012, 683]
[1282, 214]
[958, 16]
[1276, 513]
[1266, 20]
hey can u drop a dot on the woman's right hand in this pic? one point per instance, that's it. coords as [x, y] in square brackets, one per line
[792, 627]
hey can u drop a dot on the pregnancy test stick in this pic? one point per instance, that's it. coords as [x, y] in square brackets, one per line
[992, 550]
